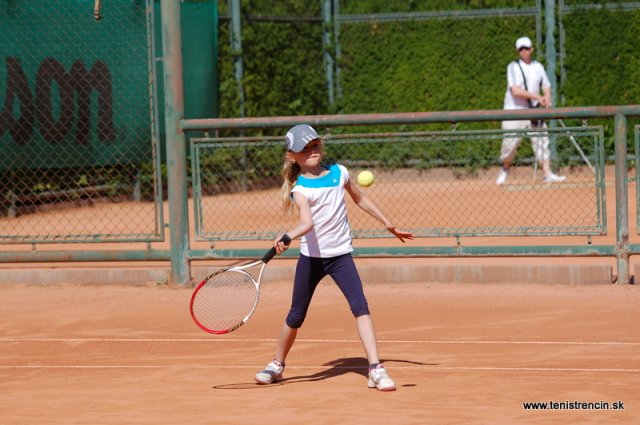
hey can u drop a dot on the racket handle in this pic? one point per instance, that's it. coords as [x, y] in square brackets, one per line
[272, 252]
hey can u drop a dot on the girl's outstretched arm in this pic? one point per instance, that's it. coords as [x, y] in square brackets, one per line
[372, 209]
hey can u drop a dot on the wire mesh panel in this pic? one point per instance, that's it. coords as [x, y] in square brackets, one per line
[235, 183]
[636, 156]
[77, 123]
[432, 183]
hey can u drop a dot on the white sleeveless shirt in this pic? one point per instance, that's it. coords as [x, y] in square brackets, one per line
[330, 235]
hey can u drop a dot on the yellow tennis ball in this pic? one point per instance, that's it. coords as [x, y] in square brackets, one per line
[365, 178]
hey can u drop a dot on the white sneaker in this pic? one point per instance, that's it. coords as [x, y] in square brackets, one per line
[554, 178]
[379, 378]
[502, 177]
[270, 374]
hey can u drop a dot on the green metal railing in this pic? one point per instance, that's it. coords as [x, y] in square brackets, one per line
[636, 145]
[621, 249]
[588, 219]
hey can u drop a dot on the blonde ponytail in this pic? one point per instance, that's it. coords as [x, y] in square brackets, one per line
[290, 173]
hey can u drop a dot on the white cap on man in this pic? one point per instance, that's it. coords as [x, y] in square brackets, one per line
[523, 42]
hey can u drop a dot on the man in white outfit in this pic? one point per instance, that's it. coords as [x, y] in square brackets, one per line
[525, 78]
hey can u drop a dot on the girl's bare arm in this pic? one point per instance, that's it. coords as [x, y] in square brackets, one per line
[304, 225]
[372, 209]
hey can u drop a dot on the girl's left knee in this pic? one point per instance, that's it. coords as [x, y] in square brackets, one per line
[360, 308]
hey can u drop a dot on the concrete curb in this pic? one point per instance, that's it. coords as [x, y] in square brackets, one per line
[370, 274]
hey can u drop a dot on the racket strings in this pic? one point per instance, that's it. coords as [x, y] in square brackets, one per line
[225, 300]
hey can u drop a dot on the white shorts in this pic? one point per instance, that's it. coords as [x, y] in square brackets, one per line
[510, 143]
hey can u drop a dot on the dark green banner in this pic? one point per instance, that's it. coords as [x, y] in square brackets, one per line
[79, 93]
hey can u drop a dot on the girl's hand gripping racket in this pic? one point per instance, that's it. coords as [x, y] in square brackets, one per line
[226, 299]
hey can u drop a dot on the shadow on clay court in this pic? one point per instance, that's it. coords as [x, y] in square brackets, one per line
[336, 368]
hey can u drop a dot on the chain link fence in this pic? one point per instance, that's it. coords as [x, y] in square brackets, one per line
[78, 135]
[598, 36]
[370, 57]
[436, 184]
[77, 126]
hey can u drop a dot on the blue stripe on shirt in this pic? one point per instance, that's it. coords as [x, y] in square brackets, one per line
[331, 179]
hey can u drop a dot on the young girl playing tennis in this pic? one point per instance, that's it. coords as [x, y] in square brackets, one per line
[325, 247]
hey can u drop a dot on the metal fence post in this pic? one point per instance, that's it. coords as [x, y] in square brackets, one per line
[337, 51]
[551, 55]
[176, 146]
[550, 46]
[622, 200]
[326, 42]
[236, 51]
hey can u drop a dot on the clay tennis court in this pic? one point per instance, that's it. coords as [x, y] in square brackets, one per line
[80, 353]
[459, 353]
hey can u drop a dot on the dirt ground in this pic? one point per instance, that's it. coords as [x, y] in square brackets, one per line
[83, 353]
[460, 354]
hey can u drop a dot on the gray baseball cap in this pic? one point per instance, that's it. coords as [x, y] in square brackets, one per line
[298, 137]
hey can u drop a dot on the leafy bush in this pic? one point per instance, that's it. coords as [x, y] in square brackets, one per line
[427, 65]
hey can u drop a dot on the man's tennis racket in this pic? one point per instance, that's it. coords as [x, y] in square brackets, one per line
[226, 299]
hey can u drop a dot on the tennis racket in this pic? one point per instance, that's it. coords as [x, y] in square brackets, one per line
[226, 299]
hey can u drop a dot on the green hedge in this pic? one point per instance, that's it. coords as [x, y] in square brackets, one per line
[283, 62]
[434, 65]
[602, 63]
[412, 66]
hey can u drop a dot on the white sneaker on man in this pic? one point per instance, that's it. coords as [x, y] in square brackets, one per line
[270, 374]
[554, 178]
[502, 177]
[379, 378]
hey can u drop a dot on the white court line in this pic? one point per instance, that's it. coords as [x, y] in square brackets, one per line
[340, 341]
[431, 368]
[343, 341]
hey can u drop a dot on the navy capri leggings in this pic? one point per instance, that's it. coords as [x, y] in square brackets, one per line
[309, 272]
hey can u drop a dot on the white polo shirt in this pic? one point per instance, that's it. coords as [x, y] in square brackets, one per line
[536, 78]
[330, 235]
